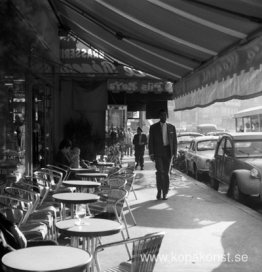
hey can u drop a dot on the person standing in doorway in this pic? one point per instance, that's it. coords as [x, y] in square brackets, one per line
[128, 142]
[162, 148]
[139, 141]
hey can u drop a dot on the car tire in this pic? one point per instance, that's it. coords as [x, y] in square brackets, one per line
[235, 192]
[214, 183]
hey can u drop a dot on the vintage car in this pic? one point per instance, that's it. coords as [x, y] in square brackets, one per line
[238, 163]
[184, 139]
[199, 154]
[183, 142]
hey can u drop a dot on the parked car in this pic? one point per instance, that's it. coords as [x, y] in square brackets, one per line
[216, 133]
[206, 128]
[183, 142]
[238, 163]
[199, 155]
[184, 139]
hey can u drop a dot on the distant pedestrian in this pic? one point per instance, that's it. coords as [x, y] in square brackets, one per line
[139, 141]
[128, 142]
[162, 147]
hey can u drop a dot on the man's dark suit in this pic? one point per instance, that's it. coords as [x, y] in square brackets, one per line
[162, 154]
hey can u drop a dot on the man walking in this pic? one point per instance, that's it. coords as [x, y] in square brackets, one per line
[162, 148]
[139, 141]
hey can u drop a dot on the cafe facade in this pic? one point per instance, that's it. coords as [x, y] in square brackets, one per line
[60, 87]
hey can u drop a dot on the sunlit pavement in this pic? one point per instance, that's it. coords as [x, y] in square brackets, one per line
[205, 230]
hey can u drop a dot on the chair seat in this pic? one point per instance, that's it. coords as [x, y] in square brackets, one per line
[123, 267]
[41, 217]
[105, 215]
[34, 231]
[97, 207]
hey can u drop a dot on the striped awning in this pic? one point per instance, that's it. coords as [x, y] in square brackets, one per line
[205, 47]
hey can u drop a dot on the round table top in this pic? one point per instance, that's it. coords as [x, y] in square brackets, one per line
[91, 227]
[85, 170]
[47, 258]
[81, 183]
[93, 175]
[76, 198]
[105, 163]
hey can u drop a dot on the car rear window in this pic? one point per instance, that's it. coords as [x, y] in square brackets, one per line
[206, 145]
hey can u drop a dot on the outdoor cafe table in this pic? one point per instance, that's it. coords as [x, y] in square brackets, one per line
[90, 230]
[103, 165]
[47, 258]
[74, 198]
[73, 171]
[95, 176]
[81, 184]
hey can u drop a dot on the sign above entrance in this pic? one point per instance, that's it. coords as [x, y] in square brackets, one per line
[81, 59]
[141, 86]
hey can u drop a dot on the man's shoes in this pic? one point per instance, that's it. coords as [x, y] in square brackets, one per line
[142, 168]
[158, 196]
[136, 166]
[164, 197]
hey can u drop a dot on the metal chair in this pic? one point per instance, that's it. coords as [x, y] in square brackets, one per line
[18, 211]
[144, 253]
[36, 215]
[129, 187]
[112, 209]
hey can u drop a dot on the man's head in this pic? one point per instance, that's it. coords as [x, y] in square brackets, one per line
[139, 130]
[162, 115]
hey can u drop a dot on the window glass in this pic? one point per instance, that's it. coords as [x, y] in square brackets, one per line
[221, 147]
[248, 148]
[206, 145]
[228, 148]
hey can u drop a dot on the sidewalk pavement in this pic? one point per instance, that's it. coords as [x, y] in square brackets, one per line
[205, 230]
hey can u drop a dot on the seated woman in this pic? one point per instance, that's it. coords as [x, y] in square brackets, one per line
[62, 157]
[75, 157]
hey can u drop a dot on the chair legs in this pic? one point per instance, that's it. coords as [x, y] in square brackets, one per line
[127, 249]
[132, 189]
[133, 218]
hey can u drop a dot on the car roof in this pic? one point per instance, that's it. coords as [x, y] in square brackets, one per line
[189, 134]
[205, 138]
[245, 135]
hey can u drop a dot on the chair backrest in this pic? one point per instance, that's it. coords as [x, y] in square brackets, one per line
[27, 195]
[115, 202]
[145, 251]
[55, 177]
[63, 169]
[14, 208]
[116, 182]
[129, 181]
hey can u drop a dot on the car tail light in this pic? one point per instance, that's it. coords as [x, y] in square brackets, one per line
[254, 173]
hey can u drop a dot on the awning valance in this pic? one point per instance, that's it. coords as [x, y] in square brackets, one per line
[235, 75]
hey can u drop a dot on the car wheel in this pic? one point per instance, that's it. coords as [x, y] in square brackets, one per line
[214, 183]
[235, 191]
